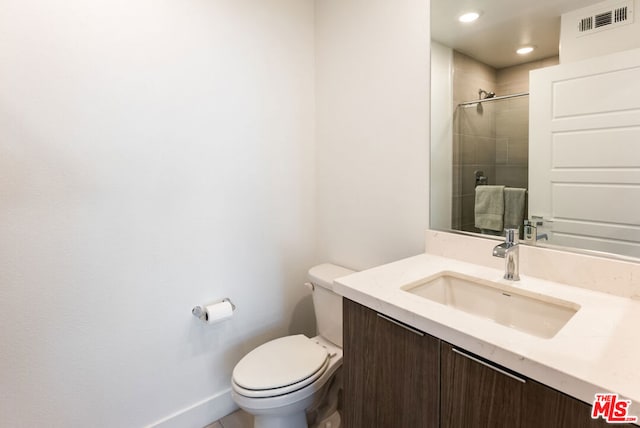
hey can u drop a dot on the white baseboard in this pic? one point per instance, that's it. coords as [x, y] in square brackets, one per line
[200, 414]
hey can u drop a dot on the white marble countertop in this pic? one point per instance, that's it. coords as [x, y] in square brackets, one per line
[598, 350]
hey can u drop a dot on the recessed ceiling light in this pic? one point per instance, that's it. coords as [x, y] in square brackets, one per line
[525, 50]
[469, 17]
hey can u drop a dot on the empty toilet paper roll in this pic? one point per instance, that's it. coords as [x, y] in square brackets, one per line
[218, 312]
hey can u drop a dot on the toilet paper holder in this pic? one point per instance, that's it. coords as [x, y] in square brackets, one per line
[201, 314]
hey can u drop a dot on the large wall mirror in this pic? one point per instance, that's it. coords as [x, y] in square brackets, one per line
[484, 168]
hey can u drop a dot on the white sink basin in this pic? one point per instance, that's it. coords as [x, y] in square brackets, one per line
[536, 314]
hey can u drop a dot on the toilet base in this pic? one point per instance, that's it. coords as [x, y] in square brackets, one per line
[291, 415]
[295, 420]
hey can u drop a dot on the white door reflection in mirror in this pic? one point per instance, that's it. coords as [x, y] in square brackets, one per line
[584, 153]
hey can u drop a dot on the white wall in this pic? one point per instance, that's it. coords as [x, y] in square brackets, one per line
[154, 155]
[441, 135]
[372, 68]
[158, 155]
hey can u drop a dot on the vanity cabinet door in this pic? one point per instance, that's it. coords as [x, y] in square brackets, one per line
[546, 407]
[391, 372]
[478, 394]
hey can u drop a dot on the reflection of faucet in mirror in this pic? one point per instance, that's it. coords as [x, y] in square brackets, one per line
[531, 234]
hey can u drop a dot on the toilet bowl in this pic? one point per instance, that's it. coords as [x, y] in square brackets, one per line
[279, 381]
[281, 401]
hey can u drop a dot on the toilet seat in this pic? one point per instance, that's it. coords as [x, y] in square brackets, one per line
[280, 366]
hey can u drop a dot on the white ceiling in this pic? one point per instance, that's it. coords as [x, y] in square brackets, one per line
[503, 26]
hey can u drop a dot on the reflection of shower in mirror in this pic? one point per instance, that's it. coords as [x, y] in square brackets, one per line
[485, 93]
[490, 147]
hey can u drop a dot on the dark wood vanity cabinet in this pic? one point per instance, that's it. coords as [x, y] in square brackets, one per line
[479, 393]
[391, 373]
[476, 394]
[546, 407]
[396, 376]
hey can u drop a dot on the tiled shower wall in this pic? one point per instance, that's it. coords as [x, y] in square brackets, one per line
[474, 143]
[491, 137]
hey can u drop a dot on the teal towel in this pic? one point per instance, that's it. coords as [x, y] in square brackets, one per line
[514, 201]
[489, 207]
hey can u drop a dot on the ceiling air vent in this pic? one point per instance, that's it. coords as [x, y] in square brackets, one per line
[603, 19]
[586, 24]
[621, 14]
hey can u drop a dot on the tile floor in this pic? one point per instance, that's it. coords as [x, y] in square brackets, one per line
[237, 419]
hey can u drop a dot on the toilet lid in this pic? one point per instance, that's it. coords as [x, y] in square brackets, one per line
[279, 363]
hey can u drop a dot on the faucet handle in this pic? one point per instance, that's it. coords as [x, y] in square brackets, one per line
[511, 235]
[530, 231]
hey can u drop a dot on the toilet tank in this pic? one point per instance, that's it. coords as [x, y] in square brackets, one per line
[326, 303]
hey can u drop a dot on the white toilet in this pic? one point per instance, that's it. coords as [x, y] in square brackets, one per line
[279, 381]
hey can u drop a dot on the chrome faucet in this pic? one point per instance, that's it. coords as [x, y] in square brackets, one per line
[531, 235]
[509, 250]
